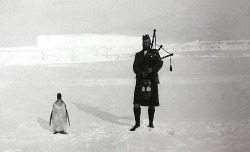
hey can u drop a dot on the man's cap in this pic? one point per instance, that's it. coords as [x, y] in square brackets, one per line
[145, 37]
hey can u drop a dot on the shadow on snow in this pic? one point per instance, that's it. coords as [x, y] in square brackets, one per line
[44, 124]
[95, 111]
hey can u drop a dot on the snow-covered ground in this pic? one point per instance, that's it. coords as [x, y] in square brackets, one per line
[205, 103]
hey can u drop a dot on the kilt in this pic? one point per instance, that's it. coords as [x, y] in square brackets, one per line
[152, 101]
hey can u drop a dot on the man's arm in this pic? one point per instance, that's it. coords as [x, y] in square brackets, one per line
[158, 65]
[136, 66]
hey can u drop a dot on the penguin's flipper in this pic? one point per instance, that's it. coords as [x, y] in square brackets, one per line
[50, 118]
[68, 116]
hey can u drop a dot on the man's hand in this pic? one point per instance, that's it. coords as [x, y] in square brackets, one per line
[144, 74]
[150, 70]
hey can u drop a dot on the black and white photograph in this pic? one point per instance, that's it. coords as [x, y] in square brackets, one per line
[125, 75]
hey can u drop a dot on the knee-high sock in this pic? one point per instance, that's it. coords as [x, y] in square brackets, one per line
[151, 112]
[137, 114]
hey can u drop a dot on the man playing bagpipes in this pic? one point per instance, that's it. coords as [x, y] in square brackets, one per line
[146, 65]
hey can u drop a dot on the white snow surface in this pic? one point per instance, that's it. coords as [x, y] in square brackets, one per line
[204, 102]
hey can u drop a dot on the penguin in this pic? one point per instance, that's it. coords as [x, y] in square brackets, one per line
[59, 116]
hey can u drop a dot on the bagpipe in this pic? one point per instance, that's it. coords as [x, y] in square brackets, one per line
[150, 60]
[154, 45]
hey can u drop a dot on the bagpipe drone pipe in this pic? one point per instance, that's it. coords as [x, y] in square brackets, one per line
[154, 45]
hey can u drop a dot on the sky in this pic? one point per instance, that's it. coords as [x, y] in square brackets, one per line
[175, 21]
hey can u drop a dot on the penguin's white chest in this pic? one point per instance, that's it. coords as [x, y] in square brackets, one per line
[59, 118]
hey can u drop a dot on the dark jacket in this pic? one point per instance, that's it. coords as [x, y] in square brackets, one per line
[141, 63]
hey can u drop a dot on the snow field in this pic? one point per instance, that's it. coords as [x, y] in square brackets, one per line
[204, 107]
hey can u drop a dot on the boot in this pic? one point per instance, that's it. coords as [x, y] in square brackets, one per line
[137, 113]
[151, 112]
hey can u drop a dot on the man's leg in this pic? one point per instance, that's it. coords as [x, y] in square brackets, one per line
[137, 114]
[151, 112]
